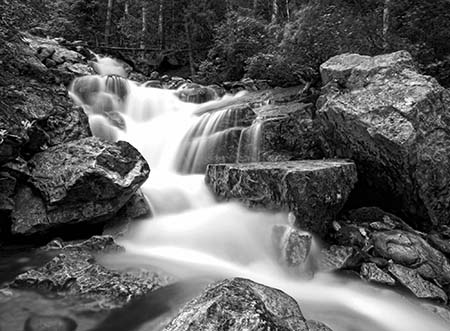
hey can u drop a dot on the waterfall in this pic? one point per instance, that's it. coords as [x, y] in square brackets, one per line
[190, 234]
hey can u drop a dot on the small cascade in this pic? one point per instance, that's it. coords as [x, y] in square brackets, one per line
[117, 86]
[108, 66]
[250, 143]
[215, 138]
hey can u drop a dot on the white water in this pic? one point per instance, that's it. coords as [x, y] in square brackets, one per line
[191, 235]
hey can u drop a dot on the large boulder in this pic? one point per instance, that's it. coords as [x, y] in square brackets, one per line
[393, 122]
[315, 191]
[81, 181]
[240, 304]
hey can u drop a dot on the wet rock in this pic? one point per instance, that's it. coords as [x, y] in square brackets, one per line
[76, 273]
[50, 323]
[356, 226]
[136, 208]
[440, 242]
[412, 251]
[416, 284]
[154, 75]
[95, 244]
[174, 83]
[220, 91]
[195, 93]
[7, 187]
[338, 258]
[377, 218]
[239, 304]
[289, 132]
[314, 191]
[392, 121]
[372, 273]
[348, 233]
[317, 326]
[292, 246]
[152, 83]
[83, 181]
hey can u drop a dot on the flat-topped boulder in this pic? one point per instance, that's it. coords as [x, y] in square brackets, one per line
[394, 123]
[80, 181]
[314, 190]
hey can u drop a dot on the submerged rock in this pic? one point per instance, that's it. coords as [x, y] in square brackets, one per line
[50, 323]
[393, 122]
[293, 248]
[292, 245]
[75, 272]
[82, 181]
[240, 304]
[136, 208]
[315, 191]
[317, 326]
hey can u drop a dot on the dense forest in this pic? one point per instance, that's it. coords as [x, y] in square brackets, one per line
[282, 41]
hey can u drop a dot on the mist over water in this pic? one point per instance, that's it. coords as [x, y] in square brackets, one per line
[192, 236]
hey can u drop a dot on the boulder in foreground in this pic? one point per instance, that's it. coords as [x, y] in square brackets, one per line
[394, 123]
[80, 181]
[315, 191]
[240, 304]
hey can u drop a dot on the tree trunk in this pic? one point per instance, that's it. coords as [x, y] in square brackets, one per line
[288, 11]
[274, 11]
[255, 8]
[108, 21]
[190, 51]
[127, 11]
[161, 32]
[144, 25]
[386, 18]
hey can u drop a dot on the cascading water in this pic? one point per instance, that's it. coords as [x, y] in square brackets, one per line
[190, 235]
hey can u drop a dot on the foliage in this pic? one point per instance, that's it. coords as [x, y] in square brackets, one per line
[274, 68]
[226, 40]
[236, 39]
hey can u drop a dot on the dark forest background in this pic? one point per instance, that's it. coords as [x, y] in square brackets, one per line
[282, 41]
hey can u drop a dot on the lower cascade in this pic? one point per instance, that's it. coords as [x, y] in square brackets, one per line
[192, 236]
